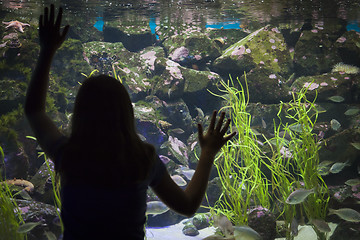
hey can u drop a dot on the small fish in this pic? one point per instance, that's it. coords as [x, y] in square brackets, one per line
[352, 111]
[321, 225]
[299, 196]
[245, 232]
[169, 92]
[50, 235]
[224, 224]
[356, 145]
[294, 226]
[353, 182]
[324, 167]
[338, 167]
[179, 180]
[347, 214]
[156, 208]
[335, 125]
[263, 123]
[177, 131]
[27, 227]
[25, 195]
[164, 159]
[337, 99]
[187, 172]
[200, 112]
[141, 137]
[296, 128]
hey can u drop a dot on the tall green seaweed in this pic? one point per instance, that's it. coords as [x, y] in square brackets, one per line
[295, 160]
[240, 161]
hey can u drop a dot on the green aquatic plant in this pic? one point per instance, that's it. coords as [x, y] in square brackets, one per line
[295, 160]
[240, 161]
[10, 214]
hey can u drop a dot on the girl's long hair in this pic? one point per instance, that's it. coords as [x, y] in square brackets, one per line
[104, 147]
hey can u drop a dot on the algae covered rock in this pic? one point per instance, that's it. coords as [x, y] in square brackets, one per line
[330, 84]
[265, 47]
[315, 53]
[348, 47]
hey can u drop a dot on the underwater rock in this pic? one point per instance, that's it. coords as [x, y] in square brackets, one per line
[43, 185]
[328, 85]
[200, 47]
[265, 47]
[345, 231]
[266, 86]
[170, 84]
[348, 47]
[134, 38]
[190, 230]
[315, 53]
[263, 222]
[201, 220]
[33, 211]
[229, 36]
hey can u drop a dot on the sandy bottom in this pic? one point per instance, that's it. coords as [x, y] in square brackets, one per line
[174, 232]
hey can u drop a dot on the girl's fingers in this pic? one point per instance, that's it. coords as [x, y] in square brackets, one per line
[46, 13]
[220, 122]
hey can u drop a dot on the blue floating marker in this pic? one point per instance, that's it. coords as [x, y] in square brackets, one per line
[224, 25]
[99, 25]
[353, 25]
[152, 25]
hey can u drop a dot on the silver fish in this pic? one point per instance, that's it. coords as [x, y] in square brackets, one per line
[356, 145]
[200, 112]
[338, 167]
[353, 182]
[179, 180]
[352, 111]
[337, 99]
[299, 196]
[245, 232]
[321, 225]
[156, 208]
[335, 125]
[347, 214]
[294, 226]
[224, 224]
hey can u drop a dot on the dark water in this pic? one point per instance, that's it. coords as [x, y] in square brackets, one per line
[93, 22]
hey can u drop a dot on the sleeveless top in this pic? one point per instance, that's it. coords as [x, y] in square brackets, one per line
[91, 212]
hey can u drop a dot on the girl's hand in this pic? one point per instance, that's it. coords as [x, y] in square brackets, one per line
[215, 137]
[49, 32]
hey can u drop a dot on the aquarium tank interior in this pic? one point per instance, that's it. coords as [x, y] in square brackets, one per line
[287, 73]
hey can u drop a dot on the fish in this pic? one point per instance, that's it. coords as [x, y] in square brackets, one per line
[187, 172]
[263, 123]
[352, 111]
[156, 208]
[224, 224]
[200, 112]
[356, 145]
[335, 125]
[142, 137]
[296, 128]
[246, 233]
[321, 225]
[27, 227]
[353, 182]
[338, 167]
[50, 235]
[164, 159]
[347, 214]
[176, 130]
[179, 180]
[336, 99]
[299, 195]
[324, 167]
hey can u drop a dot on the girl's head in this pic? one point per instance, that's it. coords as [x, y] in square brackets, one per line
[103, 109]
[103, 141]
